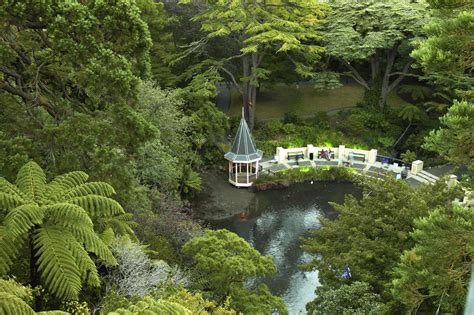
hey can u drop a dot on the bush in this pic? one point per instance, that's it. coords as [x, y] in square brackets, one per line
[321, 120]
[291, 118]
[303, 174]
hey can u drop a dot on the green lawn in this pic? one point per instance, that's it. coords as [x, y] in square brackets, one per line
[305, 101]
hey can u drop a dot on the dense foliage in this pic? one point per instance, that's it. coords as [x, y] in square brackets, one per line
[370, 235]
[124, 92]
[228, 262]
[58, 223]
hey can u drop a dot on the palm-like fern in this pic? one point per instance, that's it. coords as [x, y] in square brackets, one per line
[55, 220]
[16, 299]
[151, 306]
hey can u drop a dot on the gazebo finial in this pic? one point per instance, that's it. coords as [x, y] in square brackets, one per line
[243, 113]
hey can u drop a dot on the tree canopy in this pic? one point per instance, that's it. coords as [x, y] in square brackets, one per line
[378, 33]
[254, 29]
[228, 262]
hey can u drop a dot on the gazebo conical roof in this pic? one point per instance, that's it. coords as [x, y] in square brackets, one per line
[243, 149]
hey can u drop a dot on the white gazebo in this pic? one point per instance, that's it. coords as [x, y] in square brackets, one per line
[243, 157]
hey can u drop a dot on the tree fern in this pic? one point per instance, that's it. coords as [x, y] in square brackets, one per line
[68, 180]
[9, 249]
[16, 299]
[93, 188]
[63, 219]
[84, 263]
[151, 306]
[10, 304]
[31, 181]
[56, 263]
[20, 220]
[16, 289]
[98, 206]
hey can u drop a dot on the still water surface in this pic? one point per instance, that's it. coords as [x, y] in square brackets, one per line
[274, 224]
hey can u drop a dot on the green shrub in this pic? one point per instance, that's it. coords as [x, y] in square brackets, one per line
[291, 118]
[289, 129]
[303, 174]
[321, 120]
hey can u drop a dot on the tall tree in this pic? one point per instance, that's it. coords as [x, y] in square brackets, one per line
[454, 140]
[228, 262]
[445, 55]
[253, 29]
[378, 33]
[56, 222]
[69, 78]
[369, 235]
[429, 281]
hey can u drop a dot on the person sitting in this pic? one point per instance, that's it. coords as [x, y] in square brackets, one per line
[350, 157]
[328, 154]
[321, 154]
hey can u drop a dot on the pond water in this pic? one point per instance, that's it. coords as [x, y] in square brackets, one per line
[274, 223]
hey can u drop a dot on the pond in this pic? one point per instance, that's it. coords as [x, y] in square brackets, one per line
[274, 222]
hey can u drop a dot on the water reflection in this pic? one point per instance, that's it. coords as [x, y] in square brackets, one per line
[274, 224]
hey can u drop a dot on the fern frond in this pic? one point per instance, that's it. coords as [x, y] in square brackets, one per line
[9, 249]
[16, 289]
[85, 264]
[121, 224]
[67, 181]
[93, 244]
[108, 236]
[98, 206]
[9, 201]
[53, 313]
[11, 304]
[56, 263]
[31, 181]
[67, 214]
[92, 188]
[10, 189]
[20, 219]
[150, 306]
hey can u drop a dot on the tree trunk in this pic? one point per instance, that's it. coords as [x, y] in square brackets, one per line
[249, 87]
[246, 85]
[253, 90]
[386, 78]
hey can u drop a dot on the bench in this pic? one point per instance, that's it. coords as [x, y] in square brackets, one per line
[359, 156]
[296, 156]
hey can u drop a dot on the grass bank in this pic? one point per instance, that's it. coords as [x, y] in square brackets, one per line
[305, 101]
[304, 174]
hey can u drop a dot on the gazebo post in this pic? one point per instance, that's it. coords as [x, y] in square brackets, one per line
[248, 172]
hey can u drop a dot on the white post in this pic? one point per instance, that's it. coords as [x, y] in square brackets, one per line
[256, 169]
[310, 149]
[280, 154]
[416, 167]
[230, 170]
[372, 156]
[247, 173]
[452, 181]
[341, 153]
[236, 171]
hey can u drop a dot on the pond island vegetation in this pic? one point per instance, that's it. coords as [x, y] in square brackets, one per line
[109, 125]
